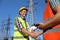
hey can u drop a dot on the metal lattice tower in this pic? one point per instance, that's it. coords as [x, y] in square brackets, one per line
[5, 29]
[31, 9]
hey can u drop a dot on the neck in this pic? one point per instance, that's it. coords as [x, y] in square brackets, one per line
[22, 17]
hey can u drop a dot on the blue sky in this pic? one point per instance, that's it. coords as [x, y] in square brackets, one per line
[11, 7]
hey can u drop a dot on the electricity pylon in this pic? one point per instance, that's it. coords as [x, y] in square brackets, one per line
[31, 15]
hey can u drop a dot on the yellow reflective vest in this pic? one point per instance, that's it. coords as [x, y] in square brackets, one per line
[19, 35]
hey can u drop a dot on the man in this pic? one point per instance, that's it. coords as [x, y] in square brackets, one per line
[18, 35]
[51, 25]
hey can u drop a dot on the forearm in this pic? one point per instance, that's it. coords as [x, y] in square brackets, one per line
[54, 21]
[25, 31]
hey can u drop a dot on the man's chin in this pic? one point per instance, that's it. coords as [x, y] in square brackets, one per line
[24, 15]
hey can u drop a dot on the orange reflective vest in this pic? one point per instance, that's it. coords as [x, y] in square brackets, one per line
[54, 34]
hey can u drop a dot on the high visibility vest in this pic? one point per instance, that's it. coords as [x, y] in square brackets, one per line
[19, 35]
[54, 33]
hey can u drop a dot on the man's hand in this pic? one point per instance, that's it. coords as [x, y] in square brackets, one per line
[32, 34]
[36, 34]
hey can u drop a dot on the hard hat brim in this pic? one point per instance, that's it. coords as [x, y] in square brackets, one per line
[24, 9]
